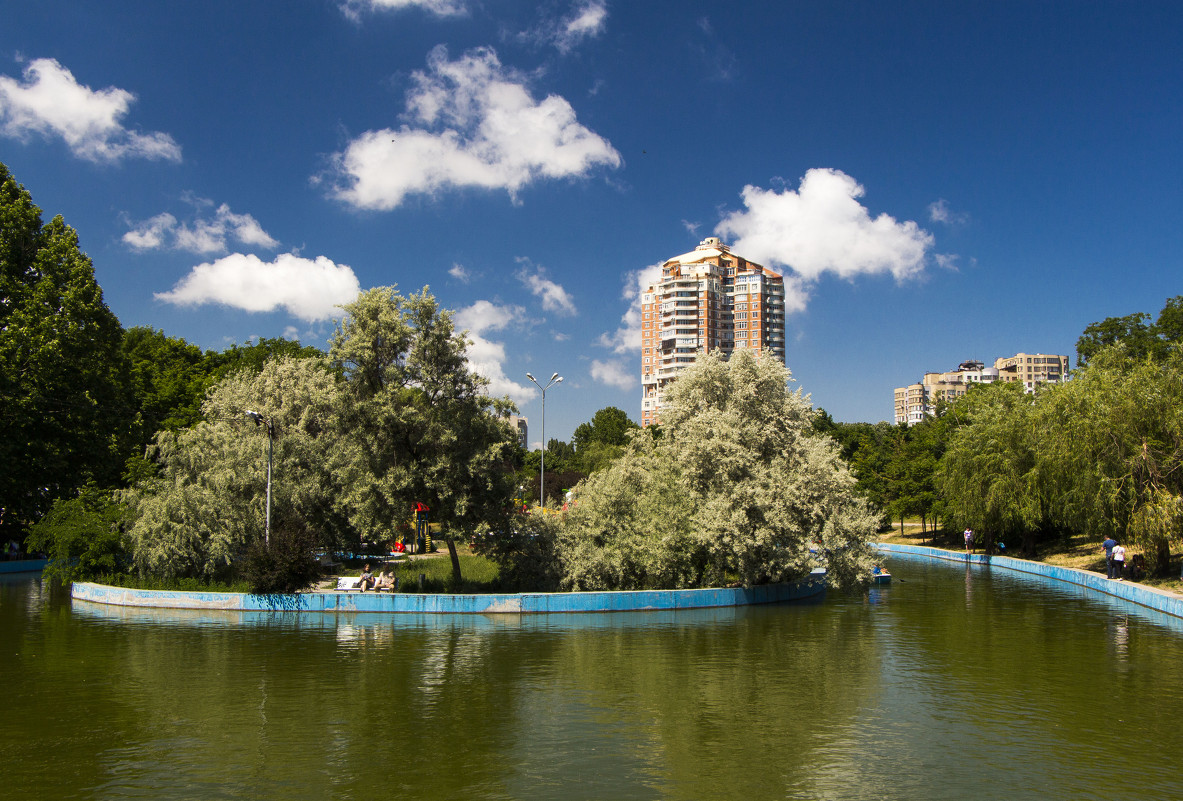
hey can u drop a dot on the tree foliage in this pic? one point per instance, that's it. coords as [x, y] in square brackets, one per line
[81, 536]
[63, 409]
[206, 505]
[738, 488]
[1114, 447]
[1140, 337]
[415, 420]
[988, 476]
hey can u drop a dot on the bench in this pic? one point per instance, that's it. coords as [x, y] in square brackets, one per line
[349, 584]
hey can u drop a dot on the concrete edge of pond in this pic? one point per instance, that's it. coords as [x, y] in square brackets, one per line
[23, 566]
[411, 603]
[1150, 597]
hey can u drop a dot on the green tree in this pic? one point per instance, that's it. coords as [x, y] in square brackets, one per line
[81, 536]
[168, 380]
[609, 425]
[738, 487]
[205, 506]
[598, 442]
[1140, 337]
[1112, 446]
[63, 409]
[417, 421]
[988, 476]
[1135, 330]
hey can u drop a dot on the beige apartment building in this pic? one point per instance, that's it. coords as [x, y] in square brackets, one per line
[1032, 368]
[704, 300]
[916, 401]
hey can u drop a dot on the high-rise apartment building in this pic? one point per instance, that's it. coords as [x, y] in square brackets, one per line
[704, 300]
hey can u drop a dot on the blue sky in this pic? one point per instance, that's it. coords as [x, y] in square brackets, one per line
[938, 181]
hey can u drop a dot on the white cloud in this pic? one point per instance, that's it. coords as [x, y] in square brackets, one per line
[472, 123]
[486, 357]
[353, 9]
[627, 338]
[554, 297]
[203, 235]
[947, 261]
[614, 374]
[309, 289]
[50, 102]
[822, 228]
[940, 212]
[460, 273]
[587, 20]
[151, 233]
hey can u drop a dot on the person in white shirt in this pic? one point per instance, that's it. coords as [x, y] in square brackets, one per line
[1118, 561]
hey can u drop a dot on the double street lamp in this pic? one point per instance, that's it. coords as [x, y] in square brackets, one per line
[259, 421]
[554, 379]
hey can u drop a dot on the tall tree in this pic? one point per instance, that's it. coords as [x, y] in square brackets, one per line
[63, 409]
[1112, 442]
[738, 487]
[988, 476]
[418, 421]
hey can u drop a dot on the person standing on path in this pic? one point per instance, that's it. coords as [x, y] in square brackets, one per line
[969, 540]
[1109, 545]
[1118, 562]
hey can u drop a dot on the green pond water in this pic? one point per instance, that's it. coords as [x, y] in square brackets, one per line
[950, 683]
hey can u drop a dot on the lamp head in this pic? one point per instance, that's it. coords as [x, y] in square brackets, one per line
[559, 380]
[258, 418]
[530, 376]
[553, 377]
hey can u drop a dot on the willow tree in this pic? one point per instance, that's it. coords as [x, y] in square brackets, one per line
[417, 424]
[737, 488]
[990, 476]
[205, 504]
[1112, 440]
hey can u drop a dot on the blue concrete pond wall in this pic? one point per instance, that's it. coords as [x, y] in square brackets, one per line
[1160, 600]
[23, 566]
[409, 603]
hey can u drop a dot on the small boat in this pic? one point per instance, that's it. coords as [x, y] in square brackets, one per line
[880, 576]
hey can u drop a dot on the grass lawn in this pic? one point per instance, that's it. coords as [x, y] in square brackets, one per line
[1080, 551]
[478, 574]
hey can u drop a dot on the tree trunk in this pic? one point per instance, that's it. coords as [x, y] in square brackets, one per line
[455, 557]
[1162, 558]
[1029, 543]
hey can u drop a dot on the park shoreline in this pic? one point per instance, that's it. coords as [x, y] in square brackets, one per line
[1151, 597]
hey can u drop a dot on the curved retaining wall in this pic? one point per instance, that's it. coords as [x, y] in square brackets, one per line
[23, 566]
[1160, 600]
[408, 603]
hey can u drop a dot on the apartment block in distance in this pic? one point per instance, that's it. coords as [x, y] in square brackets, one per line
[707, 299]
[916, 401]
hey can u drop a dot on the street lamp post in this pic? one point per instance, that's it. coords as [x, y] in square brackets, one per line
[261, 420]
[554, 379]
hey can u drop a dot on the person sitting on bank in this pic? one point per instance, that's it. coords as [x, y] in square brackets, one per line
[385, 581]
[367, 579]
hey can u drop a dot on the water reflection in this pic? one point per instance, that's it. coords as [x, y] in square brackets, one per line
[944, 684]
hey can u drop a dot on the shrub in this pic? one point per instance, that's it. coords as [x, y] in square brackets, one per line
[287, 565]
[81, 536]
